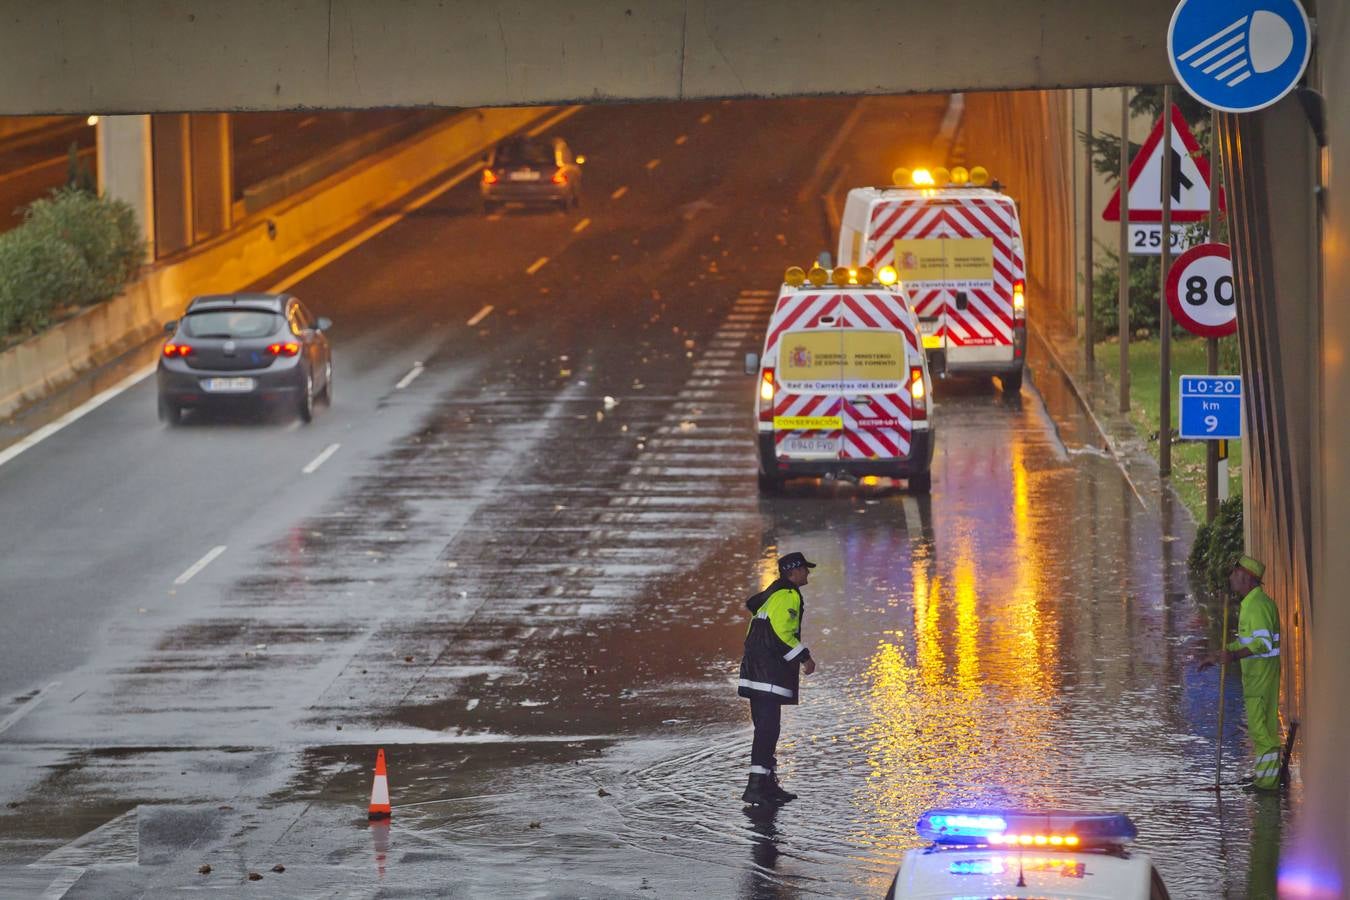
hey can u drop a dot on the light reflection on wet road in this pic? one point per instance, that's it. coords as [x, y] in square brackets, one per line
[532, 599]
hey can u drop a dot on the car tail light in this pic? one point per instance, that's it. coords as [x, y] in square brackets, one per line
[766, 394]
[173, 350]
[560, 177]
[289, 348]
[919, 391]
[489, 176]
[1019, 300]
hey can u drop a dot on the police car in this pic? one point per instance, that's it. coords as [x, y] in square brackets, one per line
[844, 387]
[990, 853]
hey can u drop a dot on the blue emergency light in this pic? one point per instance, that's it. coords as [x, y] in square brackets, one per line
[1052, 829]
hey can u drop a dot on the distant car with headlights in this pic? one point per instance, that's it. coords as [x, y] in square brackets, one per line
[956, 242]
[990, 853]
[531, 170]
[245, 350]
[844, 387]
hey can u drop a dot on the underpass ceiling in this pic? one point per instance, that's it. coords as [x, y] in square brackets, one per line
[71, 56]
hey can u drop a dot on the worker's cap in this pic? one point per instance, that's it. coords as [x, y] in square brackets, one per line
[1256, 568]
[793, 561]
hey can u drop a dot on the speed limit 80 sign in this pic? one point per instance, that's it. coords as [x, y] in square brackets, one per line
[1201, 293]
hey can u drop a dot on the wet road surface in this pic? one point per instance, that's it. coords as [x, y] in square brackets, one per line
[522, 573]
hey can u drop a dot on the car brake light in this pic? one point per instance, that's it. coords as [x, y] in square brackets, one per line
[289, 348]
[489, 176]
[766, 392]
[1019, 299]
[919, 391]
[177, 350]
[560, 177]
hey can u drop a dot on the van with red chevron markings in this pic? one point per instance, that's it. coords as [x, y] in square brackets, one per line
[844, 386]
[957, 246]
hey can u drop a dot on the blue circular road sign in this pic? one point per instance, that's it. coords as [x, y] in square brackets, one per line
[1239, 55]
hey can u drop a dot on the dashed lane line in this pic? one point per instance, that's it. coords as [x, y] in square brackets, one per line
[679, 141]
[652, 164]
[31, 704]
[619, 193]
[200, 564]
[481, 315]
[705, 118]
[410, 377]
[537, 265]
[320, 459]
[581, 226]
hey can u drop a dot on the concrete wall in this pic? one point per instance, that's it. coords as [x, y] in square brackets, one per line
[199, 55]
[1025, 140]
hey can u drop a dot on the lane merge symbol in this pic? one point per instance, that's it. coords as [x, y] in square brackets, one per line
[1238, 55]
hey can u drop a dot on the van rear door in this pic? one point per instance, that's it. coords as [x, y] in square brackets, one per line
[807, 421]
[878, 409]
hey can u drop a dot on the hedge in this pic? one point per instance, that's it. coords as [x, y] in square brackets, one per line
[1217, 547]
[72, 249]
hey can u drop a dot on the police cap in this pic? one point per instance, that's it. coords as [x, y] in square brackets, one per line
[793, 561]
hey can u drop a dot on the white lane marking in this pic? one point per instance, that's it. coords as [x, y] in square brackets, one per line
[261, 139]
[912, 522]
[33, 701]
[652, 164]
[62, 883]
[294, 278]
[705, 118]
[199, 565]
[410, 377]
[581, 226]
[619, 193]
[481, 315]
[320, 459]
[679, 141]
[78, 412]
[307, 121]
[537, 265]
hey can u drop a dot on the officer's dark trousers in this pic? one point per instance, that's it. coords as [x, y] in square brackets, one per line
[767, 714]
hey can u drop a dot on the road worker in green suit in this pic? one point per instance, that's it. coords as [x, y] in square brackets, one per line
[1258, 649]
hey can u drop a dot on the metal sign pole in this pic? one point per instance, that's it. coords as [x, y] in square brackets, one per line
[1212, 344]
[1123, 310]
[1164, 311]
[1089, 352]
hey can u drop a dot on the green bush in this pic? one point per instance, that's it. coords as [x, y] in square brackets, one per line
[37, 275]
[1217, 548]
[102, 230]
[1106, 294]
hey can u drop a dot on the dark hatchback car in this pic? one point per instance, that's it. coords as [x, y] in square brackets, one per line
[531, 170]
[232, 350]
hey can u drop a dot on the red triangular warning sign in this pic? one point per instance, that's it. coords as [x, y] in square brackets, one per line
[1190, 178]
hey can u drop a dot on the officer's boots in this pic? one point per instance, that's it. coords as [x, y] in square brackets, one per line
[759, 792]
[776, 790]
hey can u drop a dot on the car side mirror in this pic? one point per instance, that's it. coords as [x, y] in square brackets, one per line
[171, 326]
[324, 323]
[752, 363]
[581, 159]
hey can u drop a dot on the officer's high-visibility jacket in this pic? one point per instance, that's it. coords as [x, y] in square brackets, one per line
[774, 650]
[1259, 631]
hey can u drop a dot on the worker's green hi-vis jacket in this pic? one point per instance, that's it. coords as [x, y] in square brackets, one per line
[1259, 632]
[774, 650]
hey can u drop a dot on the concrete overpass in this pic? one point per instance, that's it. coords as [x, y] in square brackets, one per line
[1290, 225]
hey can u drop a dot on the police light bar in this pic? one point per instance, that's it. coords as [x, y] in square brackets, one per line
[1015, 828]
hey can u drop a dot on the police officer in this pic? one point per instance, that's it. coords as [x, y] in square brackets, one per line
[1258, 648]
[774, 656]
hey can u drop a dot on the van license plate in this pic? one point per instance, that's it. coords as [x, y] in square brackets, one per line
[524, 176]
[796, 446]
[228, 385]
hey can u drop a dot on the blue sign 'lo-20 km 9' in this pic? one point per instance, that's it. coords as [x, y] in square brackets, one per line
[1238, 55]
[1211, 407]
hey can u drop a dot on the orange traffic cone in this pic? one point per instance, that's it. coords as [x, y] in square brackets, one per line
[379, 791]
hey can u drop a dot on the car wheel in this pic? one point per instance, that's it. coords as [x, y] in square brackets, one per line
[327, 394]
[306, 410]
[921, 484]
[1012, 382]
[169, 412]
[769, 485]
